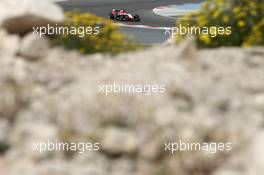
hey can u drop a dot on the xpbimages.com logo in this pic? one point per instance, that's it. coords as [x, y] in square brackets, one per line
[196, 30]
[81, 31]
[146, 89]
[81, 148]
[173, 147]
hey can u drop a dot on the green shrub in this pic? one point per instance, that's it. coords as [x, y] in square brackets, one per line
[245, 17]
[256, 37]
[102, 35]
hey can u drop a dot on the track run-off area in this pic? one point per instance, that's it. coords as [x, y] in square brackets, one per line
[150, 30]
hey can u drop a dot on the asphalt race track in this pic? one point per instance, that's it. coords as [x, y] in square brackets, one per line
[141, 7]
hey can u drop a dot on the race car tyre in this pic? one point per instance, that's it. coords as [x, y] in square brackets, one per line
[136, 18]
[111, 16]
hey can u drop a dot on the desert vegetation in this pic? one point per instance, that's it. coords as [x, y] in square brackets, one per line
[107, 40]
[245, 17]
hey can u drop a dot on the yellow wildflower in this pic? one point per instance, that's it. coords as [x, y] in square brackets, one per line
[241, 23]
[226, 19]
[205, 38]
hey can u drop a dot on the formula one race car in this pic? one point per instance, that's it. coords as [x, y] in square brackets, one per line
[123, 15]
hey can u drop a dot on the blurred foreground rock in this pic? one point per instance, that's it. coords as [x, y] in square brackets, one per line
[49, 94]
[20, 16]
[211, 96]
